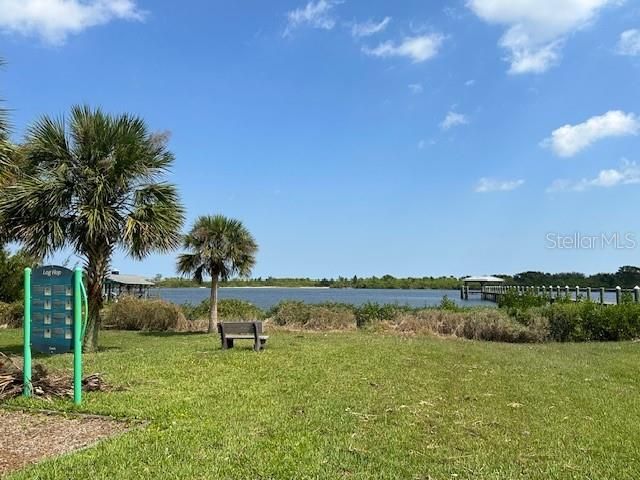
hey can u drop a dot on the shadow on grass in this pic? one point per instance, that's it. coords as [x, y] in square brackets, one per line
[19, 350]
[174, 334]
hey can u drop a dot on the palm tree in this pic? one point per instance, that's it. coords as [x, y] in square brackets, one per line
[219, 247]
[94, 184]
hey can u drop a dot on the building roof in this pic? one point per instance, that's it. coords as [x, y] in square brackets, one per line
[483, 279]
[125, 279]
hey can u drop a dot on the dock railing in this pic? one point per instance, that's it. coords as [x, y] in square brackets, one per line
[602, 295]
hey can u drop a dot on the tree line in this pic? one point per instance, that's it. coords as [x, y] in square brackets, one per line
[626, 277]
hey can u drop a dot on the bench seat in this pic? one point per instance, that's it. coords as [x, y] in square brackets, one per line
[230, 331]
[245, 337]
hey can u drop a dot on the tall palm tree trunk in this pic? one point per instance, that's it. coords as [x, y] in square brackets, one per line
[96, 270]
[213, 312]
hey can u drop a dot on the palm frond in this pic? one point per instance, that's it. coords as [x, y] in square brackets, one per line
[154, 221]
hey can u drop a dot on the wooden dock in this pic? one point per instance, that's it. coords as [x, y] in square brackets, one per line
[604, 296]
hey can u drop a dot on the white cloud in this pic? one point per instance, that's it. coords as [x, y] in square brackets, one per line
[486, 185]
[628, 174]
[629, 43]
[453, 119]
[568, 140]
[416, 88]
[418, 49]
[536, 29]
[54, 20]
[535, 61]
[369, 27]
[313, 14]
[469, 83]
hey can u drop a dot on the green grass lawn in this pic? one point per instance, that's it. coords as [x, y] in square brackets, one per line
[357, 405]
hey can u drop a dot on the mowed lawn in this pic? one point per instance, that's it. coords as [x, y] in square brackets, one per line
[357, 405]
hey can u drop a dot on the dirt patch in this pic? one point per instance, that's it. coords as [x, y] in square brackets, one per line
[27, 438]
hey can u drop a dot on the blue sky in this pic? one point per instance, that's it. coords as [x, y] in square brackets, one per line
[410, 137]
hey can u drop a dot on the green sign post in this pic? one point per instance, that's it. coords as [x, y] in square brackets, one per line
[53, 319]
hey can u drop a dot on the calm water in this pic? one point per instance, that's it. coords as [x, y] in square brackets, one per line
[266, 298]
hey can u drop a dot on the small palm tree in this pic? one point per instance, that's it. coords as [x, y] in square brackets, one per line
[219, 247]
[93, 183]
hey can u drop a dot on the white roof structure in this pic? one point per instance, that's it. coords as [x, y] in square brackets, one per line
[129, 280]
[483, 279]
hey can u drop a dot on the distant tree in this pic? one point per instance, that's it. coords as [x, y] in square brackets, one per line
[221, 248]
[94, 185]
[602, 280]
[11, 274]
[628, 276]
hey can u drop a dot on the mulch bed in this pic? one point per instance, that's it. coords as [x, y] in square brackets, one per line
[27, 438]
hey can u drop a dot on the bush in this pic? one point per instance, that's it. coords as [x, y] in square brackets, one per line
[324, 316]
[228, 309]
[131, 313]
[371, 313]
[473, 323]
[447, 304]
[521, 301]
[12, 314]
[589, 321]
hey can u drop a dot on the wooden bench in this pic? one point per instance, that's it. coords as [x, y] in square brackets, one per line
[230, 331]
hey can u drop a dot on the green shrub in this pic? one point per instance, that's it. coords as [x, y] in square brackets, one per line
[12, 314]
[589, 321]
[521, 301]
[228, 309]
[131, 313]
[371, 313]
[626, 297]
[447, 304]
[324, 316]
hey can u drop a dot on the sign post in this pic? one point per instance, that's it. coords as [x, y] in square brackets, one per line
[26, 369]
[53, 320]
[77, 336]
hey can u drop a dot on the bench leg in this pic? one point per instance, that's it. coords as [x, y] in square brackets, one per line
[228, 344]
[257, 346]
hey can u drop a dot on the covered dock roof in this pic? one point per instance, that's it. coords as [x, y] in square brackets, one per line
[124, 279]
[117, 284]
[483, 279]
